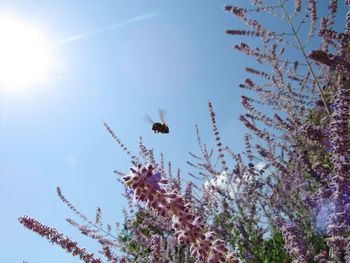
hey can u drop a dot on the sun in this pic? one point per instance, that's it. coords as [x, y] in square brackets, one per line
[25, 56]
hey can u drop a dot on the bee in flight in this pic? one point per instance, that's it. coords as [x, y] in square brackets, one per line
[159, 127]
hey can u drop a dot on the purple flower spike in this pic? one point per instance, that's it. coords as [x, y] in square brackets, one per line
[154, 180]
[293, 238]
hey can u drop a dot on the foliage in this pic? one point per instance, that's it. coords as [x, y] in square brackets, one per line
[286, 197]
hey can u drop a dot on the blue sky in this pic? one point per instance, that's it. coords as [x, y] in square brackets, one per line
[117, 61]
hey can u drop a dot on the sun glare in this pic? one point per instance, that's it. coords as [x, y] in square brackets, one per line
[25, 56]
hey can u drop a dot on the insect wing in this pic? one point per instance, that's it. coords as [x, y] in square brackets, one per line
[161, 116]
[148, 119]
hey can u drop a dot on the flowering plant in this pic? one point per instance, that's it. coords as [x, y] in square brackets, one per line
[286, 198]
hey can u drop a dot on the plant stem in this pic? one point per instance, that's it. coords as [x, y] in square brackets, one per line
[305, 56]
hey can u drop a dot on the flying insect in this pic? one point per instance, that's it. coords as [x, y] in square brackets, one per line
[159, 127]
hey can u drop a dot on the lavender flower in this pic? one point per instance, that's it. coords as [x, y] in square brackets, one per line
[58, 238]
[340, 140]
[313, 14]
[293, 238]
[297, 4]
[240, 12]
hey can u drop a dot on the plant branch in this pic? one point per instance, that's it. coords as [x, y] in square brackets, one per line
[302, 49]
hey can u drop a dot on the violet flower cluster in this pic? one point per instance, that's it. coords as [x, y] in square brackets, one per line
[145, 183]
[57, 238]
[293, 238]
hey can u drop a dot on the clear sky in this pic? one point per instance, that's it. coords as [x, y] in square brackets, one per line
[117, 61]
